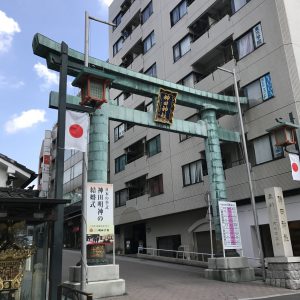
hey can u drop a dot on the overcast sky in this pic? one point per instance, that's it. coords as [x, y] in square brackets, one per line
[25, 81]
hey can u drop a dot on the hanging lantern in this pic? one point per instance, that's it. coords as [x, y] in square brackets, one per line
[93, 86]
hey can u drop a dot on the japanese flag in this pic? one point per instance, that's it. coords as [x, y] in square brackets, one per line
[294, 158]
[76, 134]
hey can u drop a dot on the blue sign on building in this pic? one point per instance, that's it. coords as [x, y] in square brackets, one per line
[266, 87]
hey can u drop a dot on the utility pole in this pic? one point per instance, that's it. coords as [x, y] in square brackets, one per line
[252, 197]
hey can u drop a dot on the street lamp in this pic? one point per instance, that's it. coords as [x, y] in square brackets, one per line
[253, 205]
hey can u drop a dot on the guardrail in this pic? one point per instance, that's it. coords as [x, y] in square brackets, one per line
[176, 254]
[65, 292]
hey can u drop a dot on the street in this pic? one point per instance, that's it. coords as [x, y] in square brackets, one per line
[150, 280]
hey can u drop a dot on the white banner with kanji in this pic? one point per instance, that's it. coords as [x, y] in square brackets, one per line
[230, 228]
[100, 215]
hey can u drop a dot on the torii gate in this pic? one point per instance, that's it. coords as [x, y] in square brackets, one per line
[208, 104]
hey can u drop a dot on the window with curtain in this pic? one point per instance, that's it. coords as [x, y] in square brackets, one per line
[155, 185]
[181, 48]
[119, 131]
[265, 149]
[147, 12]
[153, 146]
[178, 12]
[149, 42]
[120, 163]
[121, 197]
[151, 71]
[192, 173]
[238, 4]
[118, 46]
[259, 90]
[250, 41]
[117, 20]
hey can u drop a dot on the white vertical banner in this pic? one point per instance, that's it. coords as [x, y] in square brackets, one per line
[100, 215]
[76, 133]
[294, 159]
[230, 228]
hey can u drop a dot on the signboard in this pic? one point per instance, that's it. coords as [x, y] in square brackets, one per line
[266, 87]
[230, 228]
[100, 218]
[279, 227]
[165, 106]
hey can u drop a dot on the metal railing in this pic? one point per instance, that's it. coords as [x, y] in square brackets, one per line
[65, 292]
[180, 254]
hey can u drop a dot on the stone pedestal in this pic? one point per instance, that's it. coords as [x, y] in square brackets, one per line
[283, 272]
[229, 269]
[102, 281]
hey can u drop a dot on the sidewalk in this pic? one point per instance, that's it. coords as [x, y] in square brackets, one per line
[152, 280]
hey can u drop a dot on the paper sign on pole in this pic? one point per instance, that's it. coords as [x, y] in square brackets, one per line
[230, 228]
[100, 217]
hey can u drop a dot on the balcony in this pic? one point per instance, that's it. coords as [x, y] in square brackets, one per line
[213, 38]
[133, 39]
[207, 20]
[129, 11]
[209, 81]
[218, 56]
[135, 52]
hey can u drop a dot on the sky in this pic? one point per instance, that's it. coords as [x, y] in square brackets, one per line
[25, 81]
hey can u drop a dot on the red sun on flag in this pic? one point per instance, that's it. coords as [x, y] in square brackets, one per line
[76, 131]
[295, 167]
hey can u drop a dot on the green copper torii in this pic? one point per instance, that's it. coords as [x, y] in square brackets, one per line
[207, 103]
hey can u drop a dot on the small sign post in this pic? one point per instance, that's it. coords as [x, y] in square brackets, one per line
[230, 228]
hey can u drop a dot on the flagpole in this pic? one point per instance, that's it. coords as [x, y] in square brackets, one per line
[84, 175]
[83, 223]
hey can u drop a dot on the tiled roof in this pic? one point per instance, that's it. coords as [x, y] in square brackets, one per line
[18, 193]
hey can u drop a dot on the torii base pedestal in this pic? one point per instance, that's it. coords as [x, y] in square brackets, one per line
[102, 281]
[229, 269]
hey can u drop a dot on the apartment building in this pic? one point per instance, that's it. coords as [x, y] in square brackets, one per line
[160, 179]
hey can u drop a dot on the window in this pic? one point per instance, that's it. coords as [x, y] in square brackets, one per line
[149, 42]
[182, 136]
[192, 173]
[118, 46]
[73, 172]
[181, 48]
[155, 185]
[263, 149]
[238, 4]
[147, 12]
[119, 131]
[151, 71]
[178, 12]
[259, 90]
[121, 197]
[117, 20]
[153, 146]
[250, 41]
[120, 163]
